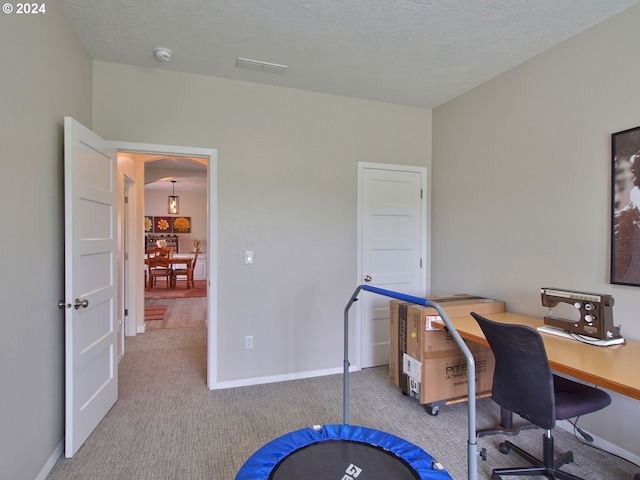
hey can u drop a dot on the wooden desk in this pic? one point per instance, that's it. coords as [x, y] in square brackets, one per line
[614, 368]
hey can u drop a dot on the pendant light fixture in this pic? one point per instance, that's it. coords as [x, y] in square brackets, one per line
[173, 201]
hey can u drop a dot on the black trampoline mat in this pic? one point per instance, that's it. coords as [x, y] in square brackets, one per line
[342, 459]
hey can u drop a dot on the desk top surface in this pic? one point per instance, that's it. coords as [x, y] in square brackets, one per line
[615, 368]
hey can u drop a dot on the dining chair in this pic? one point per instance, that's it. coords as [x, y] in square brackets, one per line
[187, 272]
[159, 265]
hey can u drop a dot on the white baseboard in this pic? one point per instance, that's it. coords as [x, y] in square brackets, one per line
[48, 466]
[603, 444]
[279, 378]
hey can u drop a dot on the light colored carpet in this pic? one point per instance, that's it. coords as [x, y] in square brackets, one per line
[168, 425]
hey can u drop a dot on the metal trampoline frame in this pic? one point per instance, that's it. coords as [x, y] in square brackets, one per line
[266, 459]
[472, 444]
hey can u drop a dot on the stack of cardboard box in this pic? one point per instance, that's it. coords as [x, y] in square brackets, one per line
[426, 363]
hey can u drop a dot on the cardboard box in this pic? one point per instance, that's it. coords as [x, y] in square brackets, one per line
[460, 305]
[434, 352]
[443, 375]
[398, 343]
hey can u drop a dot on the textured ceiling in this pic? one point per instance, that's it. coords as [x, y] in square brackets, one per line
[411, 52]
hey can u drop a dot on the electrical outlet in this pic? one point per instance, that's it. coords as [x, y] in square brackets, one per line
[248, 342]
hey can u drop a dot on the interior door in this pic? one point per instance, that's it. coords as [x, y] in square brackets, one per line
[392, 249]
[91, 375]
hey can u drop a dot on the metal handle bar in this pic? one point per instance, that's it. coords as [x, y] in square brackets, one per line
[472, 464]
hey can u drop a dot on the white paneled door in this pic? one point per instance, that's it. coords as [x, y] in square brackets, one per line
[91, 375]
[392, 248]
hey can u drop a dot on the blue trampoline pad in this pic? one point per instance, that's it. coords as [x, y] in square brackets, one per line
[342, 452]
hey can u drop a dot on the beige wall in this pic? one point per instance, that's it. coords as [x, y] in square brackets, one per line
[46, 75]
[287, 184]
[521, 194]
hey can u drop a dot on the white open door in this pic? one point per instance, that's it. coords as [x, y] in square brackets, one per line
[91, 375]
[392, 248]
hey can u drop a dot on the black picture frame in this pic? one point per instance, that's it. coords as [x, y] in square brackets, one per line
[625, 207]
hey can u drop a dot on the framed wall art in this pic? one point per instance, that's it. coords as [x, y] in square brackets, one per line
[167, 224]
[625, 207]
[181, 224]
[162, 225]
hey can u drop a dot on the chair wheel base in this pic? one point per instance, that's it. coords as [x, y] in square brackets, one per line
[549, 467]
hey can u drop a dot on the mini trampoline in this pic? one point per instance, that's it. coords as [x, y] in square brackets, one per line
[353, 452]
[347, 452]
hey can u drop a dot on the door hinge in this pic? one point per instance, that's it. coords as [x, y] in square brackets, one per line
[126, 312]
[126, 255]
[421, 193]
[420, 263]
[126, 199]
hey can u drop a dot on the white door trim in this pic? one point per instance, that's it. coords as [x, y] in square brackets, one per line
[425, 244]
[137, 277]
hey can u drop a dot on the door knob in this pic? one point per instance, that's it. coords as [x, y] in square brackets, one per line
[77, 303]
[367, 278]
[62, 305]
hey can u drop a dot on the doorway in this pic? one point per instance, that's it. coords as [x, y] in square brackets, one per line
[185, 180]
[392, 248]
[136, 156]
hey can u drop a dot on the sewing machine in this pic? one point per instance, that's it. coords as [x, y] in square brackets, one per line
[595, 315]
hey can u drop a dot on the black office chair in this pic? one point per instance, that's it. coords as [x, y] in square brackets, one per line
[523, 383]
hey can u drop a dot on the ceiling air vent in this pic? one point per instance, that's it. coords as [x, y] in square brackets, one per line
[260, 66]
